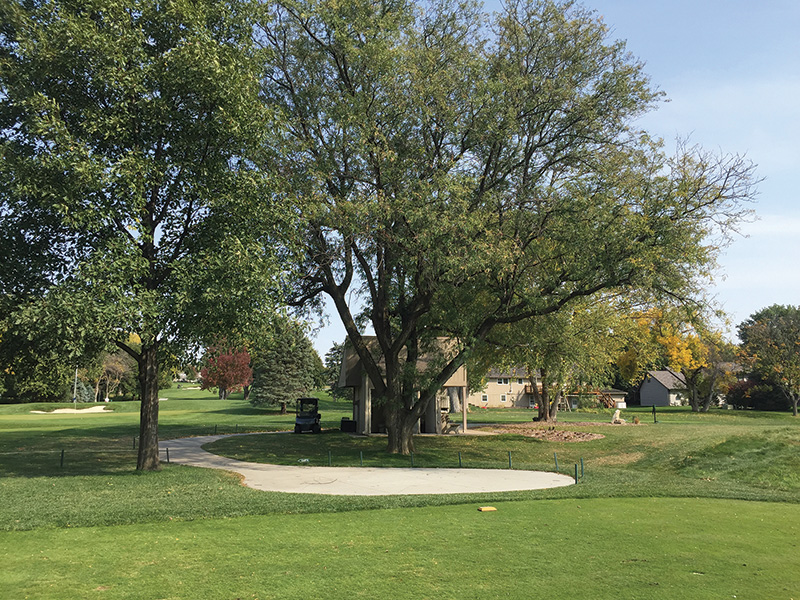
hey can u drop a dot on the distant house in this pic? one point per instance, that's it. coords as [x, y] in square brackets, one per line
[505, 389]
[368, 418]
[662, 388]
[618, 397]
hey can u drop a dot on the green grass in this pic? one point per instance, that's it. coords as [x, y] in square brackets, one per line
[568, 549]
[658, 514]
[715, 455]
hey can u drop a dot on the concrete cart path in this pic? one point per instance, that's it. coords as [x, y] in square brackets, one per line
[359, 481]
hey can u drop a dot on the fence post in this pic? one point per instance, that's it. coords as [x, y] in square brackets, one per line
[576, 472]
[361, 457]
[510, 465]
[459, 460]
[167, 454]
[555, 457]
[581, 467]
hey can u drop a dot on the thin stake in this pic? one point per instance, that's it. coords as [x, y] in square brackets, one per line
[555, 457]
[459, 460]
[134, 442]
[412, 460]
[361, 456]
[581, 467]
[510, 465]
[330, 460]
[215, 430]
[576, 472]
[167, 454]
[236, 428]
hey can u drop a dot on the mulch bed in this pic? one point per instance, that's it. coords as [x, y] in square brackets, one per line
[549, 432]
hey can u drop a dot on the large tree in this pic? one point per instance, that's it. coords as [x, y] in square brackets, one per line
[131, 125]
[771, 341]
[457, 172]
[566, 351]
[683, 339]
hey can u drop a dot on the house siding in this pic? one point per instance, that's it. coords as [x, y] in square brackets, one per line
[653, 393]
[492, 396]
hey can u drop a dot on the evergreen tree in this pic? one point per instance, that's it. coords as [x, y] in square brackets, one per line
[284, 367]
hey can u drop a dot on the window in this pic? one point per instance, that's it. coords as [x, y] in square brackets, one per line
[484, 397]
[502, 381]
[502, 397]
[519, 381]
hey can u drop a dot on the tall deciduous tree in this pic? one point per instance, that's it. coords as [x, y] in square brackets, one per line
[771, 340]
[459, 172]
[133, 125]
[682, 339]
[566, 351]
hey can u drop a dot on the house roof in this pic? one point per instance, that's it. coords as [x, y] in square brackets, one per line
[511, 373]
[669, 379]
[614, 392]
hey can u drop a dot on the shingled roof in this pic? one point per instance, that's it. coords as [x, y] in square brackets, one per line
[669, 379]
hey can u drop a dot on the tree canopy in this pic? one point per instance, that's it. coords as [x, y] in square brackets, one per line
[458, 171]
[771, 342]
[131, 126]
[226, 370]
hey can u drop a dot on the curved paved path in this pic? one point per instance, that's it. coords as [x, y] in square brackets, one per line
[359, 481]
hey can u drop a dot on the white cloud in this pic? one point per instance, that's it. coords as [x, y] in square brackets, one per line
[756, 117]
[774, 225]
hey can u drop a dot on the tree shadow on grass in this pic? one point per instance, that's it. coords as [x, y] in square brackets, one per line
[73, 463]
[249, 411]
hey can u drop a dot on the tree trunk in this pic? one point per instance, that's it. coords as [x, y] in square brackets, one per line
[247, 392]
[548, 410]
[400, 427]
[693, 400]
[454, 396]
[554, 407]
[283, 408]
[148, 420]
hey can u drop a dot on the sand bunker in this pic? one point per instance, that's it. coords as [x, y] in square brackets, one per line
[91, 409]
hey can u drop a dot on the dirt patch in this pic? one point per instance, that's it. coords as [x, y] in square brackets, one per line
[616, 460]
[549, 433]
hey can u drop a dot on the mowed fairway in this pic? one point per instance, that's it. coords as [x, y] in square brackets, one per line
[593, 548]
[697, 506]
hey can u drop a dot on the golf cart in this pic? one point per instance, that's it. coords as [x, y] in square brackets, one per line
[308, 416]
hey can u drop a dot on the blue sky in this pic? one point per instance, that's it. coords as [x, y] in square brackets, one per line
[731, 72]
